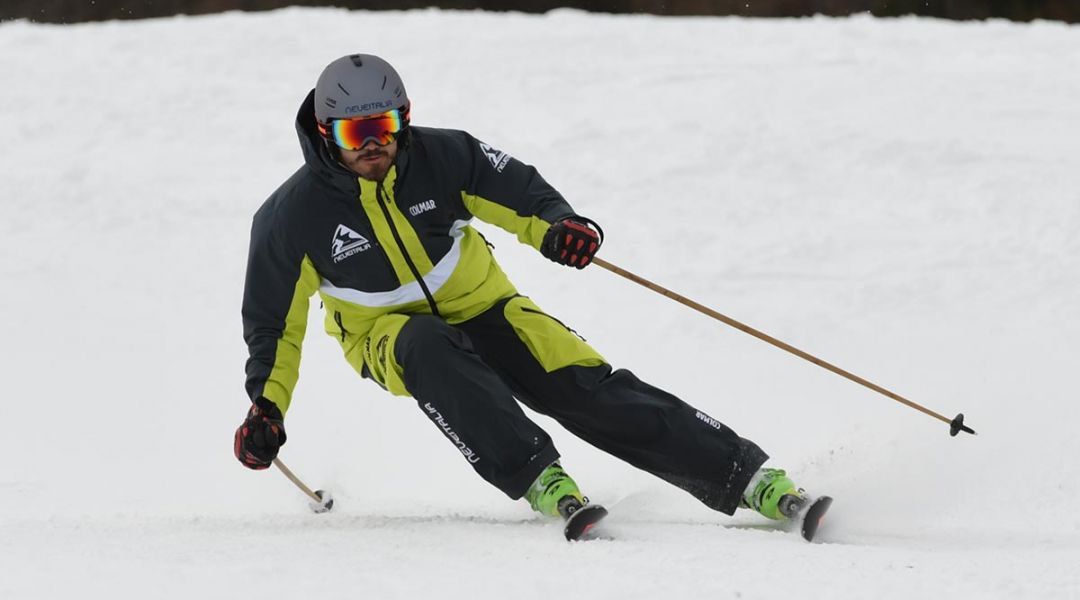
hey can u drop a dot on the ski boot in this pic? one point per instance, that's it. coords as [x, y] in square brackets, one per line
[555, 494]
[773, 495]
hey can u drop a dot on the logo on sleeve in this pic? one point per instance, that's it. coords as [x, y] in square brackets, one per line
[346, 243]
[498, 158]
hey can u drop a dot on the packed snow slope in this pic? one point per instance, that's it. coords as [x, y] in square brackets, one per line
[900, 197]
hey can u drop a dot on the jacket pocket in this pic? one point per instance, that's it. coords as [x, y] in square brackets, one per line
[552, 344]
[341, 326]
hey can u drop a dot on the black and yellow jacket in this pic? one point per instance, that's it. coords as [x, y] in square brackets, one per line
[377, 251]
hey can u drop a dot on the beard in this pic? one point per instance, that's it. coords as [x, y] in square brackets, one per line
[371, 165]
[372, 162]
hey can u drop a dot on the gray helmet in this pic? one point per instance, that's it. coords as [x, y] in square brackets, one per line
[358, 85]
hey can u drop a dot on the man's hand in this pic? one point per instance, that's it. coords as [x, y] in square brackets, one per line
[572, 241]
[263, 431]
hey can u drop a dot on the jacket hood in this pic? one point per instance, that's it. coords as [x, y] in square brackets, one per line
[318, 157]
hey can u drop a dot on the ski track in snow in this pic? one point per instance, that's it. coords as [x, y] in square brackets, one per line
[900, 197]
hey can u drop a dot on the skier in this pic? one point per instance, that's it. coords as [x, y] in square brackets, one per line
[377, 222]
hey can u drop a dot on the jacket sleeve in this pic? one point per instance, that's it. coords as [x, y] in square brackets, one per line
[280, 280]
[506, 192]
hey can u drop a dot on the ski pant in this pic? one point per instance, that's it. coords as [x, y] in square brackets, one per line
[465, 378]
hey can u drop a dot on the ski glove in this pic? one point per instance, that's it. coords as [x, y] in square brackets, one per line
[263, 431]
[572, 241]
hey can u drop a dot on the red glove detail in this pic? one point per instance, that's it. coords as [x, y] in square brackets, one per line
[572, 241]
[259, 437]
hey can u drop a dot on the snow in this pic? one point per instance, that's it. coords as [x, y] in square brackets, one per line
[899, 197]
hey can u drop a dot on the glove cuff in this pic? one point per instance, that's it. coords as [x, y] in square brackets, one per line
[267, 407]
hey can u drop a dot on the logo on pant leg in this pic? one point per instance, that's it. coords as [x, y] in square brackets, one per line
[376, 360]
[380, 350]
[711, 421]
[450, 433]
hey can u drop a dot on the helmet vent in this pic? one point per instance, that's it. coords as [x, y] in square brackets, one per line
[355, 86]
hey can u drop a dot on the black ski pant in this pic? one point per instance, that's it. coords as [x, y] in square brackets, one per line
[465, 378]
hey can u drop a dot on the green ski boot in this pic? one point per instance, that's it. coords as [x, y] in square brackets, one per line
[555, 494]
[773, 495]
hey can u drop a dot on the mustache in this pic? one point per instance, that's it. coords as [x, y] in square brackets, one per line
[371, 154]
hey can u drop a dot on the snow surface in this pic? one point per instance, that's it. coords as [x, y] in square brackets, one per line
[900, 197]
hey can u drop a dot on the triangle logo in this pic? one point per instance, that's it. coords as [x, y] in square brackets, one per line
[498, 158]
[347, 242]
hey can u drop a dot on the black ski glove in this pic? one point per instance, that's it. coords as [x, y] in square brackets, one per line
[572, 241]
[263, 431]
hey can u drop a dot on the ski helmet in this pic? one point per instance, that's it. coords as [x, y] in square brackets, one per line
[359, 85]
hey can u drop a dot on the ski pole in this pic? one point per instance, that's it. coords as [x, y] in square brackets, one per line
[956, 425]
[321, 501]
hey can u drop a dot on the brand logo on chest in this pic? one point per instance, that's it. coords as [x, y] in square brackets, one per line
[346, 243]
[423, 207]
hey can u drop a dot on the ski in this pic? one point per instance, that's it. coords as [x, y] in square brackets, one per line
[582, 521]
[813, 515]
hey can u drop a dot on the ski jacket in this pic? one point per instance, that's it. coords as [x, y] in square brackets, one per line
[403, 245]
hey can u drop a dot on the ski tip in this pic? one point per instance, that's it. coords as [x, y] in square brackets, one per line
[814, 516]
[582, 522]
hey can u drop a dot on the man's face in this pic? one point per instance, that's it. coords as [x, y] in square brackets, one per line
[371, 161]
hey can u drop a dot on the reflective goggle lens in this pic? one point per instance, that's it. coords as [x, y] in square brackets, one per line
[352, 134]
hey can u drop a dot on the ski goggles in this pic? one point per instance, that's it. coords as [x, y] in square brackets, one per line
[352, 134]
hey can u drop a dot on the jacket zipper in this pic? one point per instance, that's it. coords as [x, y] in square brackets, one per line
[366, 221]
[382, 202]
